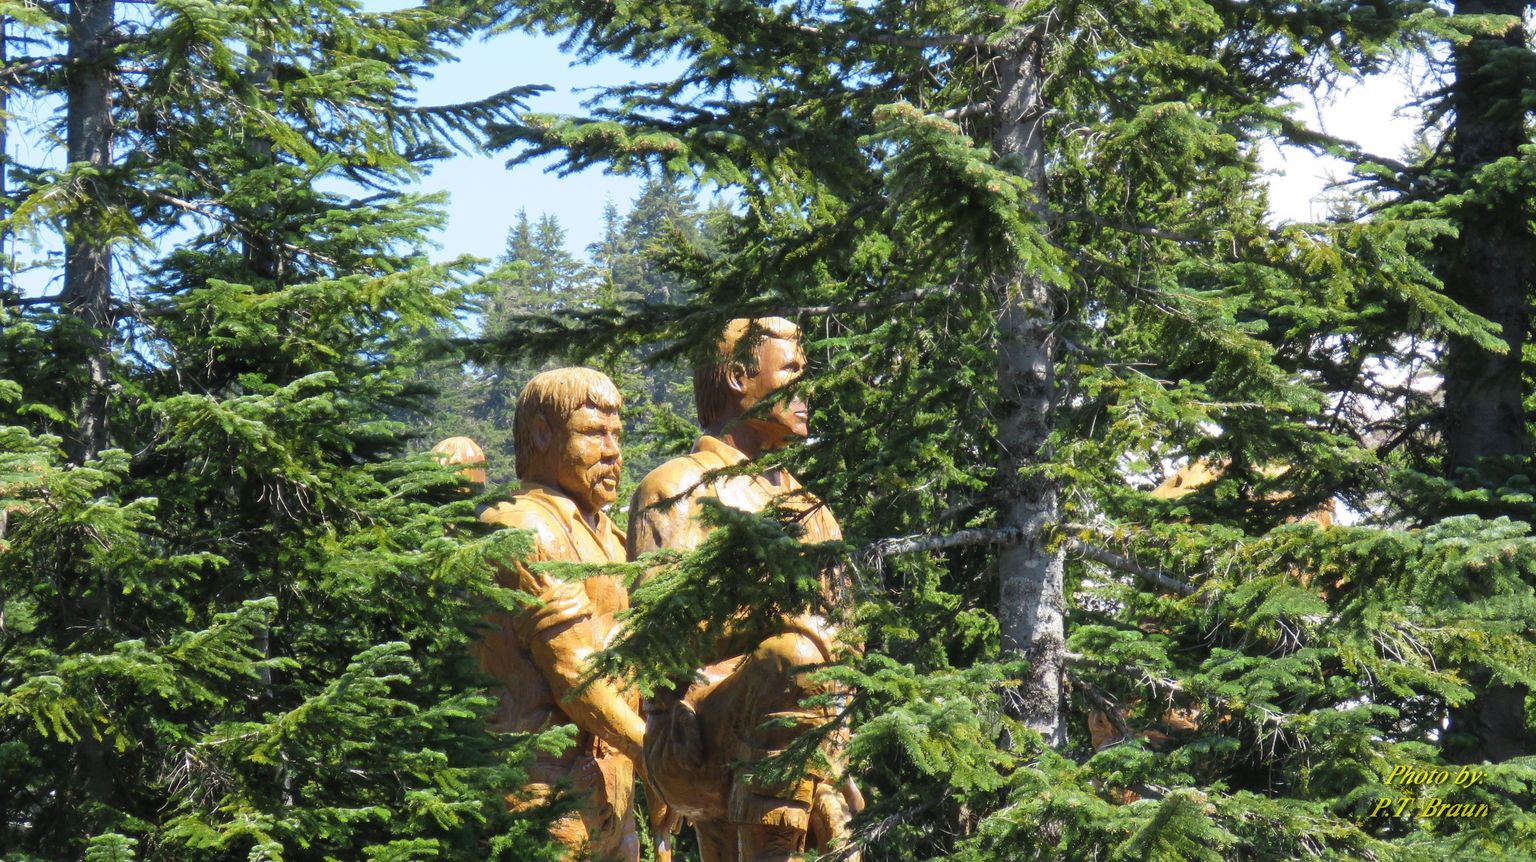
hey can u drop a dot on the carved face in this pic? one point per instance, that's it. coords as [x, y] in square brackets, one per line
[586, 458]
[780, 362]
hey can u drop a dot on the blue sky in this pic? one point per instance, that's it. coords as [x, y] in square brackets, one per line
[486, 195]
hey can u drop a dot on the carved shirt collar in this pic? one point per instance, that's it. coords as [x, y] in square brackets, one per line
[557, 499]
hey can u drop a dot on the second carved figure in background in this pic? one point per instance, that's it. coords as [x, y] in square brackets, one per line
[701, 743]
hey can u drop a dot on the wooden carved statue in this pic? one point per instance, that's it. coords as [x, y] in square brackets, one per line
[462, 450]
[568, 460]
[700, 743]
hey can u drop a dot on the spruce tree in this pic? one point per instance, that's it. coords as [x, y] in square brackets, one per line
[1477, 179]
[236, 620]
[1030, 243]
[538, 276]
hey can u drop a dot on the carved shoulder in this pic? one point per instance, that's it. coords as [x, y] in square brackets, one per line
[677, 478]
[523, 515]
[655, 523]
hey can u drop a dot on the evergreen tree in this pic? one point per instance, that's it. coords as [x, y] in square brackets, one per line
[632, 260]
[538, 276]
[1030, 243]
[660, 209]
[236, 622]
[1477, 178]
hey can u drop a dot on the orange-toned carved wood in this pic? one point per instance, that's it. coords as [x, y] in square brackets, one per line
[462, 450]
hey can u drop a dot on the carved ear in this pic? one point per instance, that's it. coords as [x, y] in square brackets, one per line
[543, 435]
[737, 377]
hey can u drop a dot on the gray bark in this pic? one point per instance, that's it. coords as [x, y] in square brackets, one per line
[5, 106]
[259, 245]
[87, 290]
[1031, 609]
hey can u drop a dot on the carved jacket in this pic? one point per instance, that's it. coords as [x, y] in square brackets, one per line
[538, 655]
[654, 523]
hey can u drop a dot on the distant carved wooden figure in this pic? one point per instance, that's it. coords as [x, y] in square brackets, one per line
[462, 450]
[568, 459]
[699, 743]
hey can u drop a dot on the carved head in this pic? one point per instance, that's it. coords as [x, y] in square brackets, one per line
[567, 431]
[757, 358]
[462, 450]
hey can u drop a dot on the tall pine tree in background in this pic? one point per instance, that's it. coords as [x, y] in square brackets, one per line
[235, 621]
[539, 276]
[631, 262]
[536, 274]
[1028, 242]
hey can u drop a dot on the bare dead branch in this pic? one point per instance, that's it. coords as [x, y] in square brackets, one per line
[975, 109]
[1105, 704]
[34, 300]
[1129, 566]
[12, 71]
[919, 544]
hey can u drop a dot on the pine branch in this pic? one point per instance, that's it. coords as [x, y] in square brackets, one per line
[1140, 230]
[943, 40]
[205, 212]
[871, 834]
[1102, 701]
[850, 307]
[918, 544]
[34, 300]
[557, 325]
[975, 109]
[12, 71]
[1315, 140]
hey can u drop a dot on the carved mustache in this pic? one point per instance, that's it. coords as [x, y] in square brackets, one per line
[598, 474]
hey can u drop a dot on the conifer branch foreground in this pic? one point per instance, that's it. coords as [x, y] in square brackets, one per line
[895, 300]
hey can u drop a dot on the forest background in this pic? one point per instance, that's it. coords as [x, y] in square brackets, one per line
[1029, 245]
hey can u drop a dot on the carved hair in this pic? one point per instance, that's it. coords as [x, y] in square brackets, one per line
[712, 393]
[555, 395]
[462, 450]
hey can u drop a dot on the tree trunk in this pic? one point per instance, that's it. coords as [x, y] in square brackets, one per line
[88, 251]
[6, 281]
[87, 295]
[1492, 263]
[1031, 601]
[259, 243]
[1489, 272]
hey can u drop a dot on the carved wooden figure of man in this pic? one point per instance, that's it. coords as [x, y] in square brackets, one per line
[568, 459]
[741, 710]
